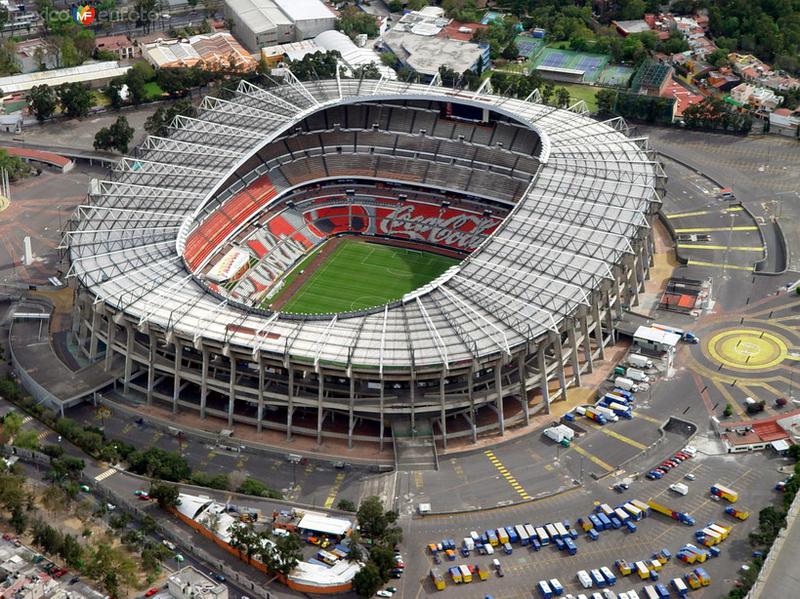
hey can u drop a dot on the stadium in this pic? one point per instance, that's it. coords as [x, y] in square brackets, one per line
[364, 259]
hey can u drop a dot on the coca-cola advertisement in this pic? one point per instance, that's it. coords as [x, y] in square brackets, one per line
[451, 227]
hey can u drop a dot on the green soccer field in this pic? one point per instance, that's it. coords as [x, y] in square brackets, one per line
[360, 275]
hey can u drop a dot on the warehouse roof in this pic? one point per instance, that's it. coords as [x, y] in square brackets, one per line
[325, 524]
[305, 10]
[426, 53]
[85, 73]
[656, 336]
[259, 15]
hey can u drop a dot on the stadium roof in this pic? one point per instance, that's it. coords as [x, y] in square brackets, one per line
[574, 222]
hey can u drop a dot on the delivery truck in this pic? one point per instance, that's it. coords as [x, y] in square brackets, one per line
[610, 415]
[560, 434]
[626, 384]
[639, 376]
[737, 513]
[640, 361]
[437, 578]
[681, 517]
[686, 336]
[724, 492]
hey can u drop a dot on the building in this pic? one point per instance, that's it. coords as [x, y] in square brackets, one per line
[190, 583]
[777, 432]
[476, 350]
[655, 341]
[212, 51]
[683, 96]
[723, 79]
[260, 23]
[416, 42]
[318, 523]
[19, 17]
[651, 78]
[120, 45]
[95, 74]
[626, 28]
[758, 97]
[274, 55]
[33, 54]
[784, 121]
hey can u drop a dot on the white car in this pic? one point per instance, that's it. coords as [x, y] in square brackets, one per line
[169, 545]
[690, 476]
[383, 594]
[691, 450]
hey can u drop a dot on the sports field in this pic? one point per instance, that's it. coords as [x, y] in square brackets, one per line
[360, 275]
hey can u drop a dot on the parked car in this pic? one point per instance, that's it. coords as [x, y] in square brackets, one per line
[151, 592]
[383, 594]
[168, 544]
[219, 577]
[690, 476]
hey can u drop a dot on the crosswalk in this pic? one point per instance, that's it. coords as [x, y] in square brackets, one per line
[507, 475]
[27, 419]
[106, 474]
[41, 436]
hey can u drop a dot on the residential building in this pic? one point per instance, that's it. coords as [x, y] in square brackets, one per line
[784, 121]
[626, 28]
[118, 44]
[757, 97]
[416, 42]
[651, 78]
[211, 51]
[260, 23]
[722, 79]
[750, 435]
[35, 55]
[19, 17]
[190, 583]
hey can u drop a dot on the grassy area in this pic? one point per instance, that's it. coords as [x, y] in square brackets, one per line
[361, 275]
[153, 91]
[562, 45]
[581, 92]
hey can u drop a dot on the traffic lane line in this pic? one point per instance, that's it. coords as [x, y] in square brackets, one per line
[703, 212]
[593, 458]
[648, 418]
[737, 248]
[506, 474]
[618, 436]
[729, 398]
[715, 229]
[718, 265]
[334, 490]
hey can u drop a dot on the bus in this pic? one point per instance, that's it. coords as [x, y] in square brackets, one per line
[326, 557]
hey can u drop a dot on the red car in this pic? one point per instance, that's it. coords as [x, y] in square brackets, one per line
[58, 573]
[6, 536]
[144, 497]
[151, 592]
[682, 455]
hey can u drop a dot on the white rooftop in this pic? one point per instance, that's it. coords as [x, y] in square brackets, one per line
[325, 524]
[657, 336]
[341, 572]
[305, 10]
[82, 74]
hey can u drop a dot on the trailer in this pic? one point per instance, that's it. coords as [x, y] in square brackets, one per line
[552, 531]
[630, 526]
[513, 537]
[455, 574]
[492, 537]
[466, 575]
[642, 570]
[569, 546]
[640, 361]
[437, 578]
[611, 579]
[522, 534]
[724, 492]
[700, 555]
[627, 394]
[650, 592]
[593, 414]
[621, 410]
[607, 524]
[541, 533]
[604, 508]
[686, 336]
[558, 590]
[681, 517]
[621, 514]
[560, 434]
[482, 571]
[598, 579]
[634, 511]
[736, 513]
[723, 531]
[623, 567]
[593, 534]
[561, 530]
[680, 587]
[596, 522]
[502, 536]
[705, 579]
[530, 530]
[642, 506]
[545, 592]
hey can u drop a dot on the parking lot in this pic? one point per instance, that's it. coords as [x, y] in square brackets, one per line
[524, 568]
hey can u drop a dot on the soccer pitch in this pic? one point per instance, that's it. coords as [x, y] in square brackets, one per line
[361, 275]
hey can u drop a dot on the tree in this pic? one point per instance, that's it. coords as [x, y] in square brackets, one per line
[416, 4]
[12, 423]
[606, 100]
[147, 11]
[562, 97]
[75, 99]
[245, 538]
[115, 137]
[510, 52]
[395, 5]
[18, 520]
[383, 558]
[547, 92]
[353, 22]
[158, 123]
[71, 551]
[289, 550]
[9, 62]
[631, 9]
[43, 101]
[367, 581]
[319, 65]
[156, 462]
[114, 92]
[728, 411]
[165, 494]
[346, 505]
[251, 486]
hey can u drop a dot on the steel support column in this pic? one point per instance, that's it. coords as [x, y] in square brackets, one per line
[598, 326]
[542, 363]
[320, 395]
[587, 342]
[231, 389]
[260, 415]
[576, 367]
[443, 415]
[176, 385]
[290, 404]
[562, 379]
[381, 424]
[498, 387]
[473, 412]
[151, 367]
[350, 420]
[204, 383]
[129, 338]
[610, 319]
[93, 340]
[111, 331]
[523, 386]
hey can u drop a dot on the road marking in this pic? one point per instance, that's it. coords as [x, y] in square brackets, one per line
[618, 436]
[702, 212]
[715, 229]
[242, 460]
[127, 428]
[507, 475]
[418, 480]
[738, 248]
[778, 308]
[309, 468]
[729, 398]
[593, 458]
[334, 490]
[26, 420]
[717, 265]
[42, 435]
[106, 474]
[156, 436]
[649, 418]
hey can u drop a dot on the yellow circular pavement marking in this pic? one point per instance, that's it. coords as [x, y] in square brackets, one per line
[747, 349]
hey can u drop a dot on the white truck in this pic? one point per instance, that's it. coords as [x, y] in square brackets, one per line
[469, 544]
[640, 361]
[610, 415]
[679, 488]
[560, 434]
[637, 375]
[626, 384]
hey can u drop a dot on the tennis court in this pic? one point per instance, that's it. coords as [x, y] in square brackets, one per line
[591, 64]
[616, 75]
[527, 45]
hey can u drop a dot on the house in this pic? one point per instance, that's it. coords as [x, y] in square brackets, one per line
[784, 121]
[118, 44]
[757, 97]
[210, 51]
[626, 28]
[722, 79]
[751, 435]
[683, 96]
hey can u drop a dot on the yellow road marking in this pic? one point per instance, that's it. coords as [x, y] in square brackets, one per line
[513, 483]
[593, 458]
[42, 435]
[779, 308]
[738, 248]
[649, 418]
[619, 437]
[715, 229]
[717, 265]
[768, 387]
[701, 212]
[729, 398]
[334, 490]
[418, 480]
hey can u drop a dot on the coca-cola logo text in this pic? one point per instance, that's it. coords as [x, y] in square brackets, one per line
[462, 230]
